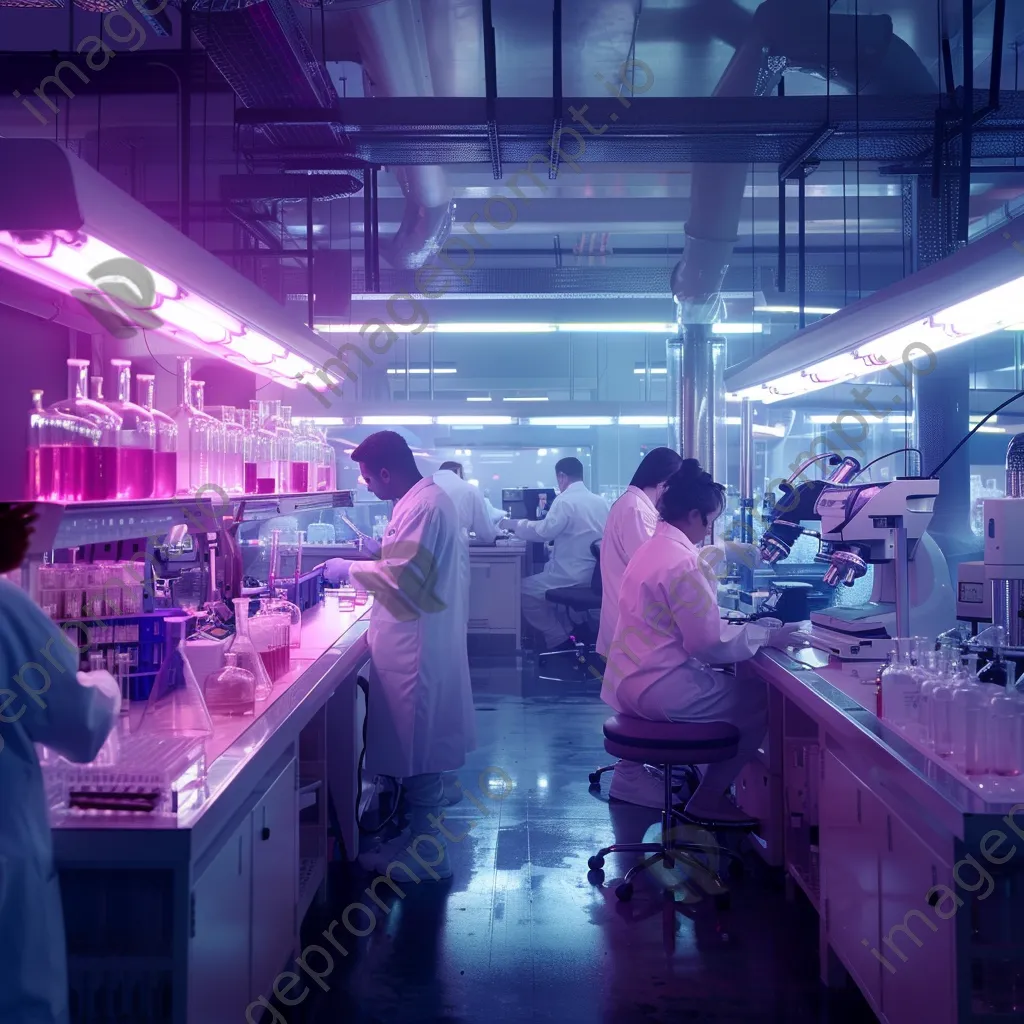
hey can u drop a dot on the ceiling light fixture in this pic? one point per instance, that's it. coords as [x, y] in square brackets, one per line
[466, 421]
[524, 398]
[643, 421]
[571, 421]
[811, 310]
[396, 421]
[479, 398]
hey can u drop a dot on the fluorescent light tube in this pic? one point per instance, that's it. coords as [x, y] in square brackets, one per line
[525, 398]
[727, 328]
[395, 421]
[640, 371]
[571, 421]
[813, 310]
[465, 421]
[479, 398]
[643, 421]
[624, 328]
[330, 421]
[423, 371]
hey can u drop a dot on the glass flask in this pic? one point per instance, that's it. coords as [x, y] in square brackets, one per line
[165, 461]
[299, 452]
[279, 604]
[245, 650]
[217, 434]
[195, 442]
[176, 706]
[901, 684]
[137, 448]
[265, 448]
[274, 423]
[234, 448]
[99, 457]
[56, 444]
[231, 690]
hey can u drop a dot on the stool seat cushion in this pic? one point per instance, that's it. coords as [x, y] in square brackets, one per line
[647, 742]
[579, 599]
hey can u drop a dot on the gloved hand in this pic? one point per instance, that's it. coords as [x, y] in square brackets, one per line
[370, 545]
[104, 682]
[748, 555]
[791, 634]
[508, 525]
[336, 571]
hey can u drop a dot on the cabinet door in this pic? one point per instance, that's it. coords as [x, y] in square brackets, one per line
[493, 588]
[852, 832]
[275, 879]
[921, 984]
[218, 981]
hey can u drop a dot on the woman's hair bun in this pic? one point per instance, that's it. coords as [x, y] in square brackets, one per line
[690, 469]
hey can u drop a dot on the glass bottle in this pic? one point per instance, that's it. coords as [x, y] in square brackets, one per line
[274, 423]
[217, 435]
[901, 684]
[265, 443]
[165, 460]
[234, 448]
[137, 449]
[194, 440]
[1006, 738]
[56, 443]
[298, 454]
[99, 456]
[970, 720]
[231, 690]
[176, 706]
[244, 649]
[248, 452]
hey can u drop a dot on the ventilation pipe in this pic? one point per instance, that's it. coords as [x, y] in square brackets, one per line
[392, 44]
[782, 34]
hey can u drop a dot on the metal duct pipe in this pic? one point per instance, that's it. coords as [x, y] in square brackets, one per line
[856, 51]
[392, 45]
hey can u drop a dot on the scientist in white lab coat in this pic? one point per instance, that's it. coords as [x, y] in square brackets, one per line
[43, 699]
[670, 635]
[420, 718]
[575, 520]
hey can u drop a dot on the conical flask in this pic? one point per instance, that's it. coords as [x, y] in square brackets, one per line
[176, 706]
[245, 650]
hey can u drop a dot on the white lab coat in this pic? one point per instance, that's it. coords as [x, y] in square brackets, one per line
[420, 717]
[631, 521]
[668, 635]
[470, 505]
[576, 519]
[72, 719]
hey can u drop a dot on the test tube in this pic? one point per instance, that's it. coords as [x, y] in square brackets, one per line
[124, 661]
[275, 547]
[298, 561]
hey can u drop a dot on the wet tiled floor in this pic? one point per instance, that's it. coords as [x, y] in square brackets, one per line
[519, 934]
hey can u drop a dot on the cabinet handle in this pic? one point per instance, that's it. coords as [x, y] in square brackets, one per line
[264, 833]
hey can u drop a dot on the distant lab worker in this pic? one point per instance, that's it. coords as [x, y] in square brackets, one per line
[420, 717]
[575, 520]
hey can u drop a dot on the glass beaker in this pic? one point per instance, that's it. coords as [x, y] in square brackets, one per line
[231, 690]
[136, 450]
[245, 650]
[176, 706]
[165, 459]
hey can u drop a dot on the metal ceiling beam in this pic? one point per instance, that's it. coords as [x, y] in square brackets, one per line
[454, 130]
[491, 87]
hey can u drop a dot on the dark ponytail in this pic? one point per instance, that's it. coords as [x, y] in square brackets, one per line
[690, 489]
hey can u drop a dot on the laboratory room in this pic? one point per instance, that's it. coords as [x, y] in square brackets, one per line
[511, 511]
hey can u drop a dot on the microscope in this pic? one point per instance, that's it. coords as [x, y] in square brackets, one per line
[879, 524]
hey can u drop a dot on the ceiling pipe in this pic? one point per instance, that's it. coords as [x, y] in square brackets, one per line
[392, 45]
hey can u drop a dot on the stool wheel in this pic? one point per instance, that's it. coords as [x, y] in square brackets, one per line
[624, 891]
[595, 876]
[595, 780]
[595, 863]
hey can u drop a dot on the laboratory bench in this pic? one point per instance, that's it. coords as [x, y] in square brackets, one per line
[188, 918]
[871, 825]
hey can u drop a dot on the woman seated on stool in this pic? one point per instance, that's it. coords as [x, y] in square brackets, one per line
[669, 634]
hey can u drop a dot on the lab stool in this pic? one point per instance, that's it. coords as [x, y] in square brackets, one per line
[665, 744]
[581, 601]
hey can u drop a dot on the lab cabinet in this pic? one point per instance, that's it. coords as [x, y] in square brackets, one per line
[495, 597]
[275, 877]
[852, 819]
[219, 964]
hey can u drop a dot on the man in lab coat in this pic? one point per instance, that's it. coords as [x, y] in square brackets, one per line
[576, 519]
[420, 718]
[44, 699]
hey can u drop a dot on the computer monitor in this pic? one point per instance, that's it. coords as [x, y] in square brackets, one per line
[532, 499]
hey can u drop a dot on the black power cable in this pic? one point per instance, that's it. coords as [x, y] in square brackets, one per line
[973, 431]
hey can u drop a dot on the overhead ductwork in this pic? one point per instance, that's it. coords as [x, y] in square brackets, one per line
[392, 44]
[855, 51]
[287, 187]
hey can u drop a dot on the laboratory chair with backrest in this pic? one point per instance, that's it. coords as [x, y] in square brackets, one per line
[667, 745]
[580, 604]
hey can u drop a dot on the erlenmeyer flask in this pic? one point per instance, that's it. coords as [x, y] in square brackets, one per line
[245, 650]
[176, 706]
[231, 690]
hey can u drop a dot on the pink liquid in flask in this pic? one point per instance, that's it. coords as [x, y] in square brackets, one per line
[166, 472]
[135, 472]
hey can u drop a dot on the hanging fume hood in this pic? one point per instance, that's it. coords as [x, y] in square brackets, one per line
[63, 225]
[973, 292]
